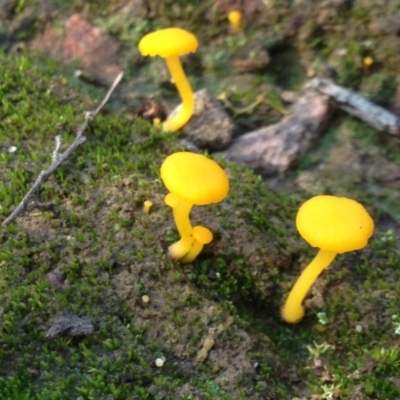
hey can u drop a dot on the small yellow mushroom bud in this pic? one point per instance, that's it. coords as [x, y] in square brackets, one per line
[368, 61]
[145, 298]
[146, 206]
[234, 18]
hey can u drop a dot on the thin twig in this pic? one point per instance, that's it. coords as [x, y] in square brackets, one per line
[56, 152]
[58, 159]
[356, 105]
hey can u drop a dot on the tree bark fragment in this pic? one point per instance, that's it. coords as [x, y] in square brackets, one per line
[273, 149]
[356, 105]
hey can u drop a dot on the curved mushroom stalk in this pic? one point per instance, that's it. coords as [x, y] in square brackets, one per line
[182, 84]
[293, 311]
[334, 225]
[181, 210]
[201, 236]
[180, 249]
[170, 43]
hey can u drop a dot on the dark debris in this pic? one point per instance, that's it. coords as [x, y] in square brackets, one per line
[70, 325]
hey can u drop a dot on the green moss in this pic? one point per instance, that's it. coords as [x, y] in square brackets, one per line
[110, 254]
[95, 232]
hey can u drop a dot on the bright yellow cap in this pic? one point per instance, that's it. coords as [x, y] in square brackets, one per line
[234, 17]
[168, 42]
[194, 178]
[202, 234]
[336, 224]
[147, 205]
[368, 61]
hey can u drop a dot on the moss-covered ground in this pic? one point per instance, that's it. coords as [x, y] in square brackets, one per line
[90, 250]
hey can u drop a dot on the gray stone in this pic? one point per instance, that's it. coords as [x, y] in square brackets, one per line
[210, 126]
[271, 150]
[70, 325]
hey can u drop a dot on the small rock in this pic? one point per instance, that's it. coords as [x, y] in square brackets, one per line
[145, 298]
[212, 275]
[95, 50]
[251, 58]
[7, 8]
[70, 325]
[138, 8]
[387, 25]
[160, 362]
[274, 148]
[151, 110]
[210, 126]
[202, 355]
[56, 279]
[83, 45]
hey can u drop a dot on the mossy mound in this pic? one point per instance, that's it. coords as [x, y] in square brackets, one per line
[107, 254]
[95, 254]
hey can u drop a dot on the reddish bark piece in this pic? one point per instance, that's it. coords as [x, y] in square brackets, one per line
[95, 50]
[273, 149]
[84, 44]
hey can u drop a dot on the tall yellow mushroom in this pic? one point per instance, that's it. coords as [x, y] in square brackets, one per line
[170, 43]
[334, 225]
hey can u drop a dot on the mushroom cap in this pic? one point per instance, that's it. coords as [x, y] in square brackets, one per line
[202, 234]
[234, 17]
[194, 178]
[335, 224]
[168, 42]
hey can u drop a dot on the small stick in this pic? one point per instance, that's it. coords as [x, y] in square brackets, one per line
[356, 105]
[58, 159]
[56, 152]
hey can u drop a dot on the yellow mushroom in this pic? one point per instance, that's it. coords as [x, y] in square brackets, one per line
[170, 43]
[368, 61]
[334, 225]
[234, 18]
[192, 179]
[146, 206]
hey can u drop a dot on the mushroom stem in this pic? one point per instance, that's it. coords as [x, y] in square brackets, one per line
[182, 84]
[293, 311]
[181, 216]
[194, 251]
[181, 213]
[201, 236]
[180, 249]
